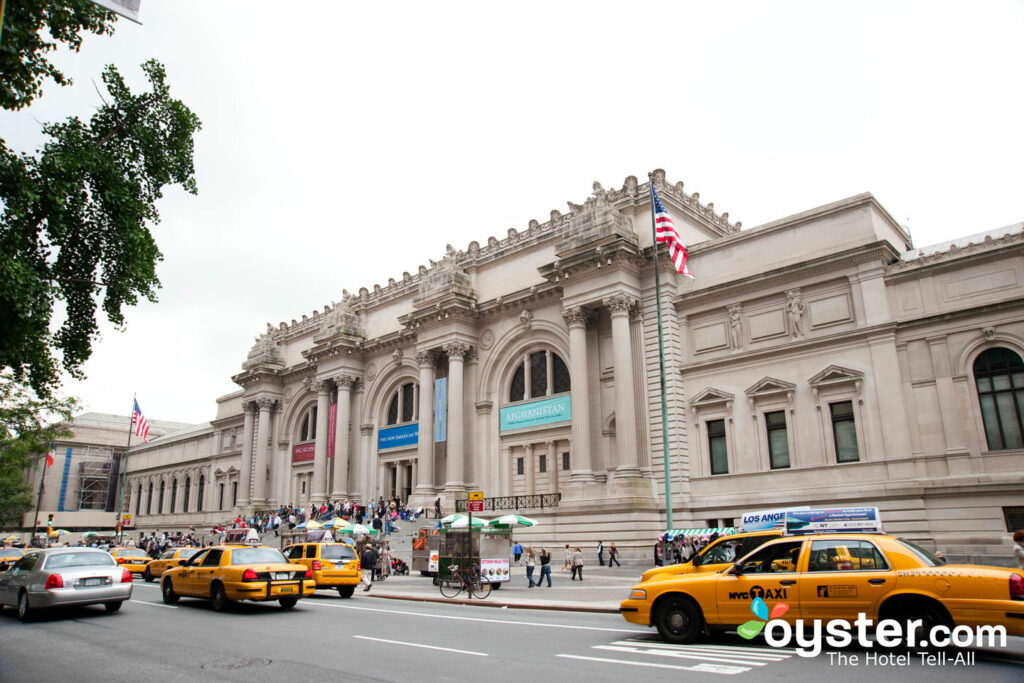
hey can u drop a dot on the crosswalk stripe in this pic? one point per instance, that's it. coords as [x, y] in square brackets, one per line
[683, 655]
[705, 667]
[709, 646]
[698, 649]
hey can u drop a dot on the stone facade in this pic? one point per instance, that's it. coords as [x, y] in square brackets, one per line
[819, 359]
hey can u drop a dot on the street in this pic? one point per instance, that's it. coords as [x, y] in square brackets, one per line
[365, 638]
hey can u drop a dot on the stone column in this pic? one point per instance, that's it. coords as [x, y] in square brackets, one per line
[552, 462]
[259, 470]
[455, 479]
[381, 481]
[318, 494]
[505, 480]
[581, 461]
[531, 470]
[369, 454]
[425, 441]
[245, 478]
[341, 438]
[619, 306]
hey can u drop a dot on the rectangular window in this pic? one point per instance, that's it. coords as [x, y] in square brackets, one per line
[220, 500]
[408, 401]
[520, 469]
[303, 487]
[717, 447]
[711, 523]
[1014, 517]
[234, 493]
[778, 439]
[565, 461]
[844, 431]
[538, 374]
[542, 464]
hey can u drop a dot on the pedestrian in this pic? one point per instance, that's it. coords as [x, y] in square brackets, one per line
[517, 551]
[600, 553]
[577, 564]
[613, 556]
[1018, 547]
[545, 567]
[531, 562]
[367, 562]
[657, 554]
[568, 560]
[437, 508]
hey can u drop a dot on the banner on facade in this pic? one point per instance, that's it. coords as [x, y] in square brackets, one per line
[303, 452]
[406, 435]
[536, 413]
[441, 409]
[332, 428]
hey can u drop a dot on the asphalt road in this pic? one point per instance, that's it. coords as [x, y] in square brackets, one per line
[362, 639]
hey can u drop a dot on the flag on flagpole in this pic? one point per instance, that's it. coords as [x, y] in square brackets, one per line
[140, 423]
[50, 455]
[665, 231]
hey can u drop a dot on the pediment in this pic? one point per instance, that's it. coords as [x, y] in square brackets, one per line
[835, 374]
[711, 396]
[770, 385]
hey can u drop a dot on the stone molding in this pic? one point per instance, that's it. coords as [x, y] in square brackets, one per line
[266, 403]
[345, 381]
[619, 304]
[425, 359]
[457, 350]
[575, 316]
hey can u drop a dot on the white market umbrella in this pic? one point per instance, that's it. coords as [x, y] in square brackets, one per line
[478, 523]
[358, 529]
[512, 520]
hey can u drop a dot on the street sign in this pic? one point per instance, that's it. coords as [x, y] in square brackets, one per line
[476, 495]
[476, 506]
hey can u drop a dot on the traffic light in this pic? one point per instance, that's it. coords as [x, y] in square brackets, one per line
[49, 520]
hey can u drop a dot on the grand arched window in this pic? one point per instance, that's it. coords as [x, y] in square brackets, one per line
[174, 494]
[402, 407]
[138, 501]
[199, 492]
[188, 489]
[540, 373]
[160, 500]
[149, 500]
[307, 425]
[999, 376]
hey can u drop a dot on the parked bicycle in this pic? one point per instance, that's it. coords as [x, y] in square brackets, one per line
[469, 580]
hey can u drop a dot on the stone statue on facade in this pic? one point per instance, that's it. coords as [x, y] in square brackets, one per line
[795, 311]
[736, 326]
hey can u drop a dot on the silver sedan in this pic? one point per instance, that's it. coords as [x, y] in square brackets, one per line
[58, 577]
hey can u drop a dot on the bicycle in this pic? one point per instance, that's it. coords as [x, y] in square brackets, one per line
[469, 580]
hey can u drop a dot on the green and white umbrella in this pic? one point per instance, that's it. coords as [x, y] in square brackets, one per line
[512, 520]
[478, 523]
[358, 529]
[454, 517]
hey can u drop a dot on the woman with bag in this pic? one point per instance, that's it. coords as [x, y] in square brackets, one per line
[577, 564]
[531, 562]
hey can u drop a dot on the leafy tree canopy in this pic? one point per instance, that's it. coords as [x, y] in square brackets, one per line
[24, 46]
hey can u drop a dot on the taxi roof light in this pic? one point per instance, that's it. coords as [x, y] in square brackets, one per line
[1016, 587]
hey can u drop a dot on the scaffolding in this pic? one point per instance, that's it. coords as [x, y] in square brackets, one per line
[98, 470]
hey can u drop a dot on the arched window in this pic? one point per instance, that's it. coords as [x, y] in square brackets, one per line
[160, 500]
[540, 373]
[174, 494]
[199, 493]
[307, 425]
[149, 499]
[999, 376]
[403, 405]
[188, 489]
[138, 501]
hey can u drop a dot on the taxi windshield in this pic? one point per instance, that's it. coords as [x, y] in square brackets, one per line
[186, 553]
[720, 553]
[257, 556]
[338, 552]
[921, 554]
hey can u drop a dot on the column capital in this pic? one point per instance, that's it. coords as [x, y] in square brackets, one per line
[321, 386]
[345, 381]
[619, 304]
[457, 350]
[574, 316]
[425, 359]
[265, 403]
[249, 406]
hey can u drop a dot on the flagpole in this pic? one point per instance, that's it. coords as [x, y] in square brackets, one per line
[124, 472]
[661, 358]
[39, 497]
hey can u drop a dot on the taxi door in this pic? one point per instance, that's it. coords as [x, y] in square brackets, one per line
[769, 573]
[207, 571]
[296, 555]
[184, 581]
[844, 577]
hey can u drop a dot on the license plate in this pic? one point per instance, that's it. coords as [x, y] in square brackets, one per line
[92, 582]
[282, 576]
[286, 589]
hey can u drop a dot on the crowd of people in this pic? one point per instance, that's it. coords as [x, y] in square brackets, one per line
[383, 515]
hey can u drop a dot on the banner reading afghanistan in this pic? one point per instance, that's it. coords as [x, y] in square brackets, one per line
[536, 413]
[406, 435]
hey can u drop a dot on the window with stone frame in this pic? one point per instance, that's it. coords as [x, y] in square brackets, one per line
[565, 461]
[844, 431]
[185, 494]
[160, 500]
[174, 494]
[999, 379]
[149, 500]
[220, 498]
[778, 439]
[539, 374]
[199, 493]
[838, 395]
[520, 466]
[717, 446]
[307, 424]
[542, 463]
[402, 406]
[712, 411]
[234, 493]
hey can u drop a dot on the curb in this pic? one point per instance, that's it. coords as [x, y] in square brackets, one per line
[485, 603]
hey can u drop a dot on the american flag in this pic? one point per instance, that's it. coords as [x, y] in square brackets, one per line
[665, 231]
[140, 422]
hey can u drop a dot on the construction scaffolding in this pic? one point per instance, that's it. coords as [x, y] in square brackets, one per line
[98, 470]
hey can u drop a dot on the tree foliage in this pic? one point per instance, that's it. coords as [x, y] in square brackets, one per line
[75, 226]
[24, 48]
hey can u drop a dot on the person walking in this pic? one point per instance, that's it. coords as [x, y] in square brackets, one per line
[517, 551]
[531, 562]
[545, 567]
[577, 564]
[567, 565]
[367, 563]
[600, 553]
[613, 556]
[1018, 547]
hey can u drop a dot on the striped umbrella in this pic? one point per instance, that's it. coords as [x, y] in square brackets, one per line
[310, 524]
[512, 520]
[673, 534]
[337, 523]
[358, 529]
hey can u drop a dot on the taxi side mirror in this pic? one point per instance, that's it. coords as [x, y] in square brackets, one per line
[182, 563]
[696, 561]
[737, 568]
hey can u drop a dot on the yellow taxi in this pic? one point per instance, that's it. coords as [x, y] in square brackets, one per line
[8, 556]
[716, 556]
[229, 573]
[132, 559]
[168, 558]
[831, 576]
[333, 565]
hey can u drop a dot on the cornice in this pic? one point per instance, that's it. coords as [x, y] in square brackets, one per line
[615, 253]
[989, 249]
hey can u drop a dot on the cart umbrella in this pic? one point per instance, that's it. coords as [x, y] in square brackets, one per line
[512, 520]
[337, 523]
[478, 523]
[673, 534]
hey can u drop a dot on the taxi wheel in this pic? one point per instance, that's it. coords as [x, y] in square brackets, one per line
[147, 576]
[346, 591]
[288, 603]
[678, 621]
[219, 598]
[112, 606]
[167, 590]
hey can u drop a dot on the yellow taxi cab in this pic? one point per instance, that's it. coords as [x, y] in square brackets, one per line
[228, 573]
[132, 559]
[332, 565]
[8, 556]
[718, 555]
[832, 576]
[168, 558]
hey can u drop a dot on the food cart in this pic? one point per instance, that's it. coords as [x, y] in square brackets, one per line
[487, 547]
[425, 547]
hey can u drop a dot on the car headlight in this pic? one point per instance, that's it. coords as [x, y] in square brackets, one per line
[638, 594]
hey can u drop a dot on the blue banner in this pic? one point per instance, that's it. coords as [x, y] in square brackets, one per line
[441, 409]
[64, 480]
[536, 413]
[406, 435]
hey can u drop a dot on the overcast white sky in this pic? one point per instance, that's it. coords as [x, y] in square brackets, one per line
[344, 143]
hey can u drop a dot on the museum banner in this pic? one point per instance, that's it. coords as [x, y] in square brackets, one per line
[332, 428]
[303, 452]
[406, 435]
[440, 409]
[536, 413]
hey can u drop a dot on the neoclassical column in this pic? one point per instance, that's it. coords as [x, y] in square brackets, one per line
[369, 454]
[245, 477]
[581, 460]
[318, 494]
[553, 466]
[619, 306]
[425, 445]
[259, 470]
[531, 470]
[505, 478]
[455, 474]
[341, 438]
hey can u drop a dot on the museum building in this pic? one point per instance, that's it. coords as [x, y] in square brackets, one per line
[819, 359]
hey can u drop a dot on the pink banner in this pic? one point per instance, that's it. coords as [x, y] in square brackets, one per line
[303, 452]
[332, 428]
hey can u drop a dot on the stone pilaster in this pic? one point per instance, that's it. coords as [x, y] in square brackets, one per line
[455, 474]
[619, 306]
[259, 470]
[425, 446]
[319, 485]
[245, 467]
[341, 438]
[580, 458]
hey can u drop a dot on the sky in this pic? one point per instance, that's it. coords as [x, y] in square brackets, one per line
[344, 143]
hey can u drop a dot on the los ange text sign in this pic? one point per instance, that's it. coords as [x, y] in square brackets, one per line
[536, 413]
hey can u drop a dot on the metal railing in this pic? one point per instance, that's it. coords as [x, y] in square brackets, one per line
[503, 503]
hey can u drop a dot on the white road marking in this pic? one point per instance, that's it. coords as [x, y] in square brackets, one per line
[706, 657]
[429, 647]
[310, 603]
[735, 649]
[709, 668]
[153, 604]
